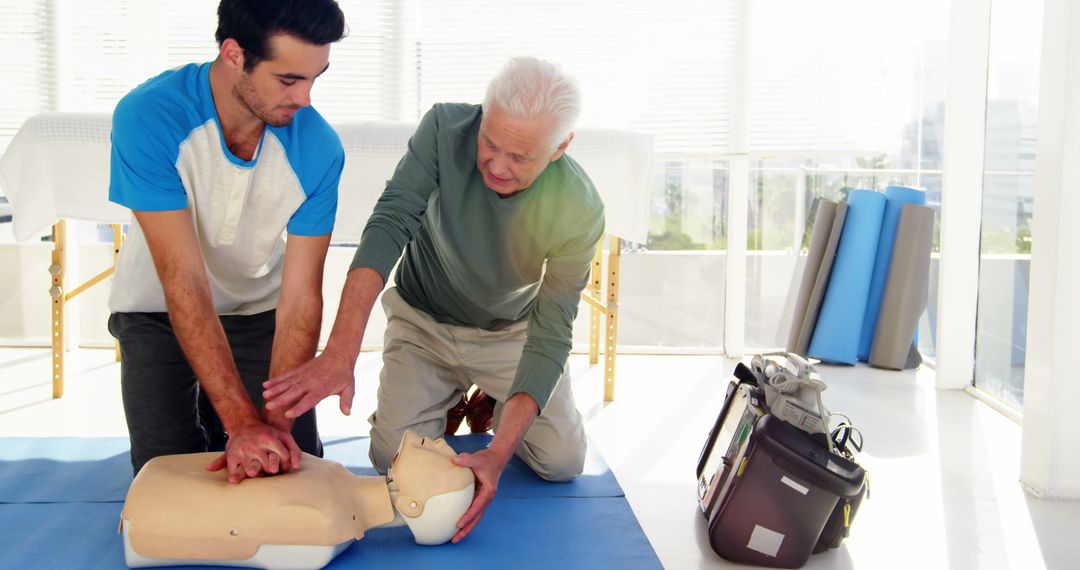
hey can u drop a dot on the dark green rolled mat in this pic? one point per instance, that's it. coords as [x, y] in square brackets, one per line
[828, 223]
[905, 292]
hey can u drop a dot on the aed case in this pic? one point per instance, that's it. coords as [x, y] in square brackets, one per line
[765, 487]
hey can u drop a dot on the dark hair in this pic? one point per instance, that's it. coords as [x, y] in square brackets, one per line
[252, 22]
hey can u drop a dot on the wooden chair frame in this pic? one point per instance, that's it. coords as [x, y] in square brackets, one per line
[594, 296]
[58, 270]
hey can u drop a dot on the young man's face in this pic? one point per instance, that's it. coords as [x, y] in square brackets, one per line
[280, 85]
[511, 153]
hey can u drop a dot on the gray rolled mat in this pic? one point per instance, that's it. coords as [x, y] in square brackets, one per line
[826, 210]
[905, 291]
[815, 278]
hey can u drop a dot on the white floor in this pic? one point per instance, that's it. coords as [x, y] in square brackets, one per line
[944, 467]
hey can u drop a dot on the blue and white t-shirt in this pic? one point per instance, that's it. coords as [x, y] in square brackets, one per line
[168, 153]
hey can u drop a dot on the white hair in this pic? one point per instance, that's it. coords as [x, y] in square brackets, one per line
[529, 88]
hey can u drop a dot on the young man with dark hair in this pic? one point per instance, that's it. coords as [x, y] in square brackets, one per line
[217, 161]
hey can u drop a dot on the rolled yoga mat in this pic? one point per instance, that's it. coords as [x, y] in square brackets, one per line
[906, 291]
[828, 224]
[895, 198]
[836, 334]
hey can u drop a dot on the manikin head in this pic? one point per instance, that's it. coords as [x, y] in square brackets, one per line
[273, 50]
[431, 491]
[529, 114]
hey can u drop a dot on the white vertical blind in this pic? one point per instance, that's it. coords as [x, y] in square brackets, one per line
[665, 68]
[190, 28]
[816, 75]
[364, 80]
[27, 63]
[106, 48]
[800, 76]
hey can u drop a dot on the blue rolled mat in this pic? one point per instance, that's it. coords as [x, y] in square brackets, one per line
[895, 198]
[89, 470]
[839, 325]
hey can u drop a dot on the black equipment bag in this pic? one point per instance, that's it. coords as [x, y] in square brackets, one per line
[772, 493]
[839, 523]
[782, 491]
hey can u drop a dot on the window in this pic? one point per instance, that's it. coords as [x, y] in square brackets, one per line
[835, 105]
[1012, 100]
[814, 95]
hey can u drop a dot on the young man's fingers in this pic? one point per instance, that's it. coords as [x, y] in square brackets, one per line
[295, 456]
[289, 449]
[218, 464]
[273, 463]
[236, 472]
[253, 467]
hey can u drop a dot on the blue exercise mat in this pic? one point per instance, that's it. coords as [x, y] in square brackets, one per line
[515, 533]
[61, 501]
[839, 325]
[94, 470]
[64, 469]
[895, 198]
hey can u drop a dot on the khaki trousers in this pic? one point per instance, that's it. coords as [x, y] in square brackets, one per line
[428, 366]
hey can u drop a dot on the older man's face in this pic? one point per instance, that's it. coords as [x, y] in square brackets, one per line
[511, 153]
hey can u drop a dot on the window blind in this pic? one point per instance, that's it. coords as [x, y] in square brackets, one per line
[28, 64]
[665, 68]
[705, 77]
[815, 76]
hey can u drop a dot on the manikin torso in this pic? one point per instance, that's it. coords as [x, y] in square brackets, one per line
[178, 513]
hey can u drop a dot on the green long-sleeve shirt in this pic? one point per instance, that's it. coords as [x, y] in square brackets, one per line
[475, 259]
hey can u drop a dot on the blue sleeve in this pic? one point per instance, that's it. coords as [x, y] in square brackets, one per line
[143, 172]
[319, 178]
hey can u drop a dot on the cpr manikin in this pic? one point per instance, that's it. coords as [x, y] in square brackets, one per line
[178, 513]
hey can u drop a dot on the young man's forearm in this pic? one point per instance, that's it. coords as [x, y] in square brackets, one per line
[202, 338]
[298, 323]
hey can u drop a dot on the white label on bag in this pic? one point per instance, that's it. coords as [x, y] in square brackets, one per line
[794, 485]
[765, 541]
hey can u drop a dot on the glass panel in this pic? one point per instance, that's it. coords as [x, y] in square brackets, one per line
[689, 205]
[907, 151]
[1008, 195]
[780, 210]
[926, 335]
[672, 287]
[776, 216]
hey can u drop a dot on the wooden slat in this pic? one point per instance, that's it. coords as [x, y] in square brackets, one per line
[614, 253]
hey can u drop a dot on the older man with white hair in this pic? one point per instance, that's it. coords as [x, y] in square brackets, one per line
[498, 227]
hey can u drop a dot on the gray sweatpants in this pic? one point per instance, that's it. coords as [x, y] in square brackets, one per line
[166, 411]
[428, 365]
